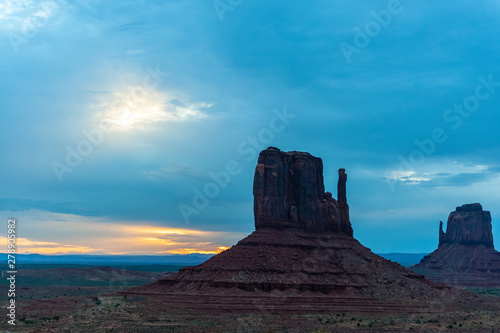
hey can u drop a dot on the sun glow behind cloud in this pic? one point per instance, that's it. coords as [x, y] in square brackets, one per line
[137, 107]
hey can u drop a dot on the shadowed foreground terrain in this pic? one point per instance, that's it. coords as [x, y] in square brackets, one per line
[65, 299]
[53, 291]
[143, 314]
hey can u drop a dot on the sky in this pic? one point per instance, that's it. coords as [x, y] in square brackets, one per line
[133, 127]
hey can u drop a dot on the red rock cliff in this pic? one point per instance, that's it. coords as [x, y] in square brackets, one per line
[289, 193]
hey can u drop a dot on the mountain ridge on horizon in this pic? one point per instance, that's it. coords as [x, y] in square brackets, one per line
[167, 259]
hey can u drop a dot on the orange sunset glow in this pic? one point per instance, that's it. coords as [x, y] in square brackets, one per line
[117, 238]
[191, 251]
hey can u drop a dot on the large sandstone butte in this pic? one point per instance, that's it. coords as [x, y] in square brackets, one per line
[465, 256]
[289, 194]
[302, 257]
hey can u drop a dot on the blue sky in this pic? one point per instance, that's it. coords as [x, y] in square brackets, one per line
[115, 114]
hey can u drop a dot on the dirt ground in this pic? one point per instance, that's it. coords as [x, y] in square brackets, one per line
[60, 306]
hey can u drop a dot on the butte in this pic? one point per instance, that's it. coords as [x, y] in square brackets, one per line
[301, 258]
[465, 256]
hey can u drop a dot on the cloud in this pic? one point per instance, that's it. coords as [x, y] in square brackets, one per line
[26, 17]
[444, 174]
[25, 245]
[134, 52]
[461, 179]
[174, 171]
[13, 10]
[191, 251]
[86, 67]
[127, 28]
[408, 177]
[380, 217]
[137, 107]
[53, 233]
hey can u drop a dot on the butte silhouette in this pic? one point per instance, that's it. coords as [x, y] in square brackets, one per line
[301, 258]
[465, 256]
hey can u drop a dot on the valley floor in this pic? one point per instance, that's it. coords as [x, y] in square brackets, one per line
[74, 303]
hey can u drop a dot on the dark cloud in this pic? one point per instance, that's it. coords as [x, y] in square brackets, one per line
[459, 180]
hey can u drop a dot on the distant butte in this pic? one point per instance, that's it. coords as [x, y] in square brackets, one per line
[468, 225]
[465, 256]
[302, 257]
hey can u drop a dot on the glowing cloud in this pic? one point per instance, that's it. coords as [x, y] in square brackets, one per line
[137, 107]
[24, 245]
[191, 251]
[26, 16]
[164, 231]
[10, 8]
[435, 171]
[54, 233]
[408, 177]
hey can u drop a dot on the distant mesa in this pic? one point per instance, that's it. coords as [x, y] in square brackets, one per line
[302, 257]
[465, 256]
[468, 225]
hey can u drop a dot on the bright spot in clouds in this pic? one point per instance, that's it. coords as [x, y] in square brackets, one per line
[408, 177]
[137, 107]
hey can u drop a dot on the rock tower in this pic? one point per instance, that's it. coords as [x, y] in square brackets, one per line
[289, 194]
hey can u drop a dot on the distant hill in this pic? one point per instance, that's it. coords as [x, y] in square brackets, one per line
[404, 259]
[102, 260]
